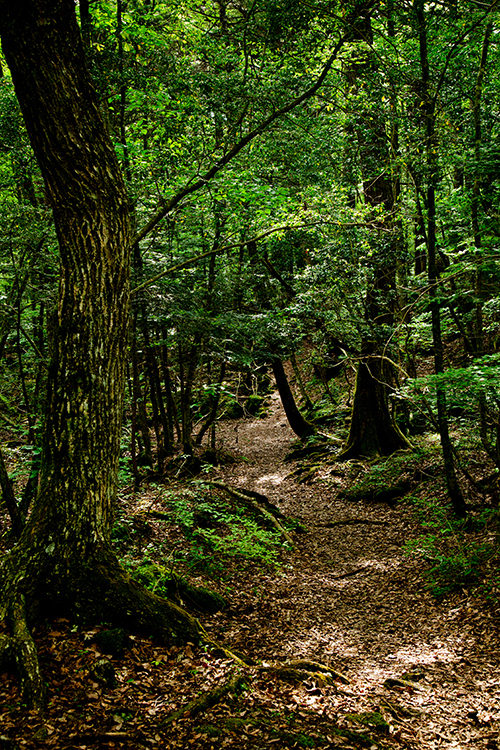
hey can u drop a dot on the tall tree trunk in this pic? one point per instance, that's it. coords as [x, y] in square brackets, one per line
[429, 109]
[373, 430]
[63, 562]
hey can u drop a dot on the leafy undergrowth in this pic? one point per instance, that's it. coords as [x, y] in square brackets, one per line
[343, 595]
[194, 530]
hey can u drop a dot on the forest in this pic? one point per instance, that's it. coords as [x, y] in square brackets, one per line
[249, 392]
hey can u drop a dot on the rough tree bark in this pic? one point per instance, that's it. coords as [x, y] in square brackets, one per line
[373, 430]
[63, 562]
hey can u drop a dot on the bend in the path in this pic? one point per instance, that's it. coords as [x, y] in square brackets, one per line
[349, 597]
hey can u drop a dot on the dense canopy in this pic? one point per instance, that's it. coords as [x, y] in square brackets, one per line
[201, 202]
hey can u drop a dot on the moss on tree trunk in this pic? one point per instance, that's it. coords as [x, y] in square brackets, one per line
[63, 562]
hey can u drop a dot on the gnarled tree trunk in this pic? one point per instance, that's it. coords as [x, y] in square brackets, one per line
[63, 562]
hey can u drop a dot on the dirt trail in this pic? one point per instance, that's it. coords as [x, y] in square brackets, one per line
[349, 598]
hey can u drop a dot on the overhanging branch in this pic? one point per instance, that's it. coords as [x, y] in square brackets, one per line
[196, 183]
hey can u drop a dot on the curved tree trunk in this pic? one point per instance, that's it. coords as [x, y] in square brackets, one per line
[299, 425]
[63, 561]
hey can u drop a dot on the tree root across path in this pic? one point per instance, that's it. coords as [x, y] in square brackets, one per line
[366, 732]
[301, 670]
[261, 504]
[208, 699]
[294, 671]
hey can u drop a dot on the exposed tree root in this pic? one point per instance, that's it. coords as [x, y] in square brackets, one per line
[260, 503]
[316, 450]
[294, 671]
[208, 699]
[263, 500]
[353, 522]
[19, 649]
[94, 591]
[225, 653]
[104, 591]
[314, 666]
[301, 670]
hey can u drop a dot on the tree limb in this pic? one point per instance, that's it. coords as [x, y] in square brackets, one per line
[195, 184]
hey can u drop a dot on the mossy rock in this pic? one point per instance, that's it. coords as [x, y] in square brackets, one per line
[171, 586]
[376, 494]
[204, 599]
[413, 676]
[103, 672]
[254, 404]
[374, 720]
[233, 410]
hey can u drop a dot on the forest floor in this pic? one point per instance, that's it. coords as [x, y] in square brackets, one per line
[409, 670]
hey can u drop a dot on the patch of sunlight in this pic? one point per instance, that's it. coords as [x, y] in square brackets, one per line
[433, 438]
[428, 653]
[271, 479]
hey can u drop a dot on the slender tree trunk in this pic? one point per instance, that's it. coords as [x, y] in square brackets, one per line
[187, 376]
[429, 107]
[172, 418]
[142, 431]
[163, 445]
[214, 405]
[492, 450]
